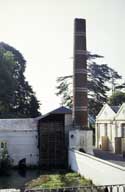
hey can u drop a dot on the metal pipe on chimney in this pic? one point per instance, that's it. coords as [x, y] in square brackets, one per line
[80, 100]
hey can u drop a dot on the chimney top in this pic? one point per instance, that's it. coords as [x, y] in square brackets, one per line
[80, 25]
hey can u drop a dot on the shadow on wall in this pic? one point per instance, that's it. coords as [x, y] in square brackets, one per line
[22, 164]
[82, 150]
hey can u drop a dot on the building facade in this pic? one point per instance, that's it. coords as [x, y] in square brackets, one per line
[24, 138]
[53, 131]
[20, 138]
[110, 128]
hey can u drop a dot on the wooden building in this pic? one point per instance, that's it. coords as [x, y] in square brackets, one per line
[53, 129]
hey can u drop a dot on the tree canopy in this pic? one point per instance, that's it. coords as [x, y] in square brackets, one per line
[17, 99]
[117, 98]
[100, 80]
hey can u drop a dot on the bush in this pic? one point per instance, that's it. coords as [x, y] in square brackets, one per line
[5, 163]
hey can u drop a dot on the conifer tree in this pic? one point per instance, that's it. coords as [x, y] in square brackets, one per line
[99, 83]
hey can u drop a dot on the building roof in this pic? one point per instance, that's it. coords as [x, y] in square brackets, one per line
[60, 110]
[115, 108]
[64, 110]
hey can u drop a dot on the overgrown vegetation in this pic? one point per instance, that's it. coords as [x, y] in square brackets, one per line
[117, 98]
[5, 163]
[58, 181]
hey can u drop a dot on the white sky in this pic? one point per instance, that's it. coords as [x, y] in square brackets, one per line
[42, 30]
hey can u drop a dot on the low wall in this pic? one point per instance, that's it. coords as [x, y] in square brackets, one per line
[99, 171]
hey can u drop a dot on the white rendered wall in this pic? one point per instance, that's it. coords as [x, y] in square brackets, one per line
[99, 171]
[101, 132]
[68, 125]
[109, 131]
[114, 120]
[68, 122]
[81, 139]
[21, 137]
[68, 119]
[112, 132]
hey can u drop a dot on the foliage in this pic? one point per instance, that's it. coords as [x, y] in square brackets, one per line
[17, 98]
[58, 181]
[99, 83]
[120, 87]
[117, 98]
[5, 163]
[64, 88]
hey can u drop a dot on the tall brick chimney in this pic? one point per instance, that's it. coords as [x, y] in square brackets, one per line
[80, 138]
[80, 101]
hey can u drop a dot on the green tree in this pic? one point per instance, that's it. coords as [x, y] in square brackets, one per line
[5, 162]
[117, 98]
[99, 83]
[7, 82]
[17, 98]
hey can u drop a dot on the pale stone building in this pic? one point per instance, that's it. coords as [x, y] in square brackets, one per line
[110, 128]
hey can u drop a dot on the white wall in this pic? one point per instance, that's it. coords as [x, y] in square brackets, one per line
[68, 125]
[21, 136]
[68, 119]
[99, 171]
[102, 131]
[81, 139]
[114, 122]
[112, 132]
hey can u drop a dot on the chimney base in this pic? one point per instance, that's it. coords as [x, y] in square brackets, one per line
[81, 140]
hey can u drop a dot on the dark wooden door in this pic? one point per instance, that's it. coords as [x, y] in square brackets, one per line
[117, 145]
[52, 145]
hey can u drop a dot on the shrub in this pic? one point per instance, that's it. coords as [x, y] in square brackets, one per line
[5, 163]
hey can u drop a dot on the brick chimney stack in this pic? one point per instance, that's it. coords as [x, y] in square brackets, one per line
[80, 100]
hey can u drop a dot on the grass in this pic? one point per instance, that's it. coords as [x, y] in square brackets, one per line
[58, 181]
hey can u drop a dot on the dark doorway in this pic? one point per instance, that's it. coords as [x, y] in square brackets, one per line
[52, 149]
